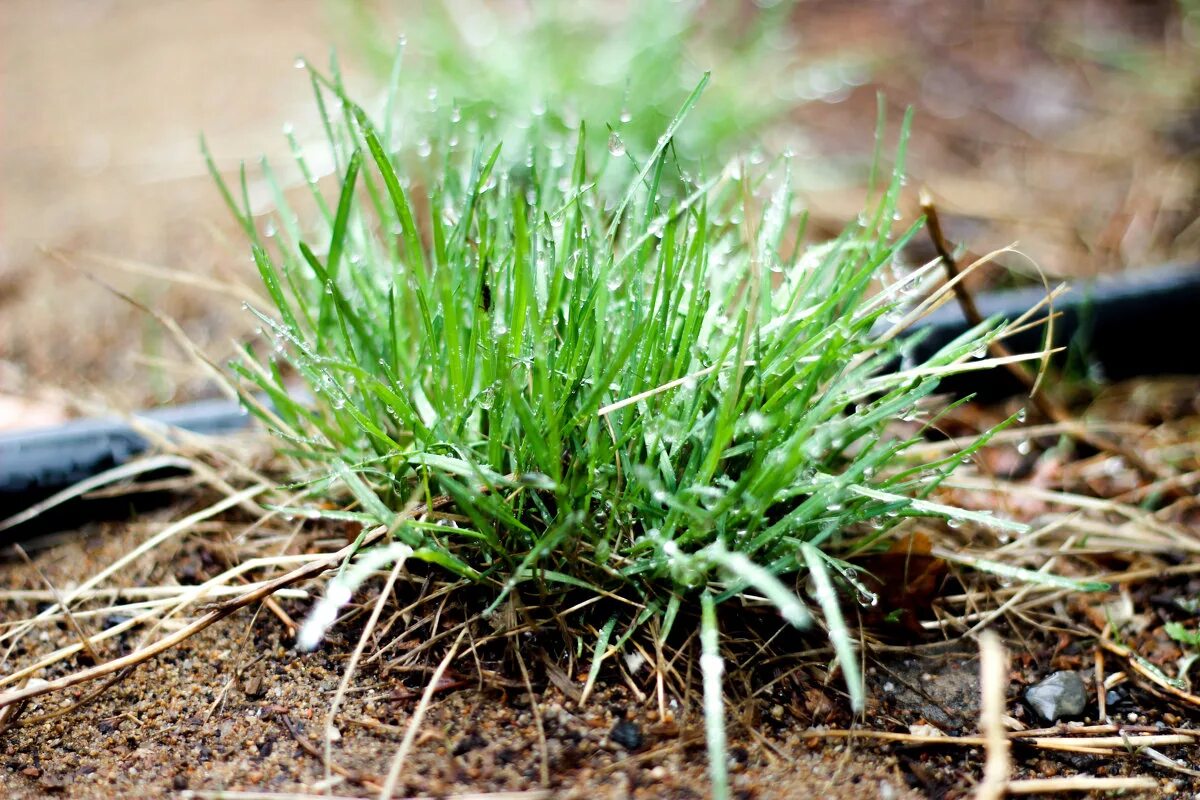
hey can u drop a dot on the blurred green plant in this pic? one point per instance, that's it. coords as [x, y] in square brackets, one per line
[520, 71]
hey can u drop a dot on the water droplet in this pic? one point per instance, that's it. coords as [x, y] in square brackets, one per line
[626, 117]
[616, 146]
[300, 63]
[1022, 415]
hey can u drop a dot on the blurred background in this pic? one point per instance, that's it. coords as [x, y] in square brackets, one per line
[1071, 128]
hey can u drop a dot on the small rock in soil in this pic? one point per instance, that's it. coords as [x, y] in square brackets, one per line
[472, 741]
[626, 734]
[1060, 695]
[52, 783]
[943, 691]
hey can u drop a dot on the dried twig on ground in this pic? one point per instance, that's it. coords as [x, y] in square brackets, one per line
[1049, 408]
[993, 680]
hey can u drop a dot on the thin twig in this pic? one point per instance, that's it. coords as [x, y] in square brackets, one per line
[414, 725]
[71, 621]
[219, 611]
[1081, 783]
[993, 674]
[543, 748]
[1108, 744]
[315, 752]
[87, 485]
[1143, 668]
[999, 351]
[352, 665]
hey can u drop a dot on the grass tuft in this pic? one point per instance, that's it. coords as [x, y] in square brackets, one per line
[626, 380]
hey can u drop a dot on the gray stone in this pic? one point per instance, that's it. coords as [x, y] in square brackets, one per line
[1060, 695]
[626, 734]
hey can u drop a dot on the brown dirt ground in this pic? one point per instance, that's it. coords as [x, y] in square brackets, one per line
[225, 711]
[1024, 132]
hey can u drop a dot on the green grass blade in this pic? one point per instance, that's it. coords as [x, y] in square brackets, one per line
[712, 666]
[835, 623]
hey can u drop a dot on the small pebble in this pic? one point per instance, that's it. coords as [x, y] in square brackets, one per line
[626, 734]
[1060, 695]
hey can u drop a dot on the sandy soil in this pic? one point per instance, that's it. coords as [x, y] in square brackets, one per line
[101, 106]
[237, 708]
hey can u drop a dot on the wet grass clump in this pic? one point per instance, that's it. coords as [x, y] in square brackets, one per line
[659, 391]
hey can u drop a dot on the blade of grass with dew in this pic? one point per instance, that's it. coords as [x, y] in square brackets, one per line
[712, 667]
[742, 568]
[1014, 573]
[598, 657]
[835, 623]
